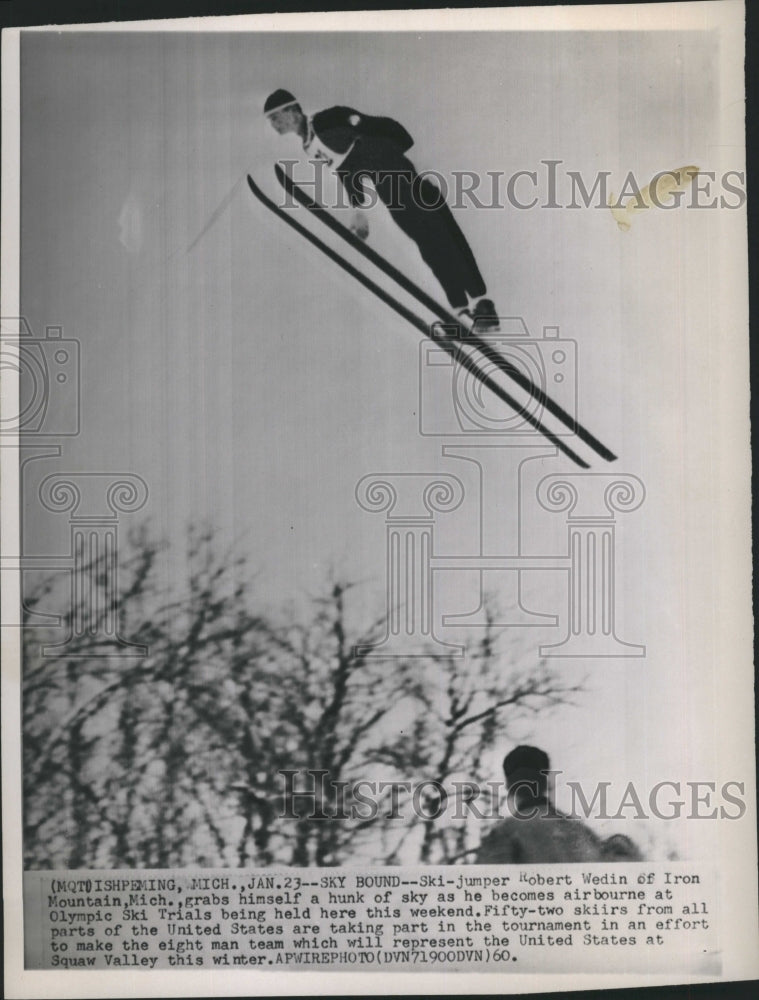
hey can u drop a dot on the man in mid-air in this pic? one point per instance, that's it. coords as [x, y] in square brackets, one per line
[365, 147]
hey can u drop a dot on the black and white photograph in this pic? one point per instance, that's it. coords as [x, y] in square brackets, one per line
[376, 542]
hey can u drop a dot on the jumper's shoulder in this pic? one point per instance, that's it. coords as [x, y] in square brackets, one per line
[335, 117]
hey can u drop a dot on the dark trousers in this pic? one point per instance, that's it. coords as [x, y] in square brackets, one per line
[420, 210]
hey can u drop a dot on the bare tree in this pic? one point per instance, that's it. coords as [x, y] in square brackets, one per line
[335, 705]
[119, 758]
[189, 754]
[464, 706]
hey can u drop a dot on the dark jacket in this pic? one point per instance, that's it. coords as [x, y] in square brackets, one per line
[546, 837]
[549, 837]
[339, 127]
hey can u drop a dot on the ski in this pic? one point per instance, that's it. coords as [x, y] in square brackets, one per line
[450, 346]
[467, 336]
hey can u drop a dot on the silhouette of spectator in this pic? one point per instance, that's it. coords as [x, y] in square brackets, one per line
[535, 831]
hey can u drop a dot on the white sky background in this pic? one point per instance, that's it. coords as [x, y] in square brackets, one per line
[252, 385]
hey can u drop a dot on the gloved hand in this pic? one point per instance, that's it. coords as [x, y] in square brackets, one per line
[359, 225]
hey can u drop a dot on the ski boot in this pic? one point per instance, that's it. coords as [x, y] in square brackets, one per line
[485, 317]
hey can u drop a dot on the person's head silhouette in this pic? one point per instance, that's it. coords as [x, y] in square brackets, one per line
[526, 771]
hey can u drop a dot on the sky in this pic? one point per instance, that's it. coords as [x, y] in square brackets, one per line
[252, 386]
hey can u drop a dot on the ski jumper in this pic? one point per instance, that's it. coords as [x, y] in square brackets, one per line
[363, 147]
